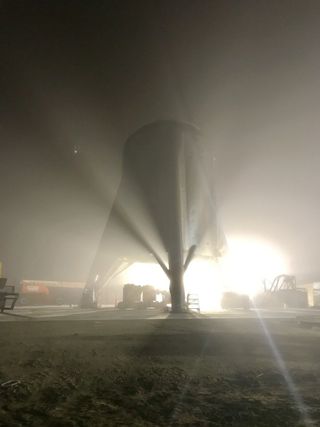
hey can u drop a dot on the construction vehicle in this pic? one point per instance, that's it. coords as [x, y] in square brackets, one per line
[283, 293]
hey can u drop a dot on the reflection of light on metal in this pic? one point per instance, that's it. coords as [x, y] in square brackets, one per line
[248, 262]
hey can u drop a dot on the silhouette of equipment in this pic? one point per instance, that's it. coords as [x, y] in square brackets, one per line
[8, 296]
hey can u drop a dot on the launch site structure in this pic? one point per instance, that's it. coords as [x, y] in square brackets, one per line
[164, 208]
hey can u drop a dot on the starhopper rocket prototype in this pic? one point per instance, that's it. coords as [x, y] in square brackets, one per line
[164, 209]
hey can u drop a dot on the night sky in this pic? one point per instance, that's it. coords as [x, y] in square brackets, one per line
[76, 78]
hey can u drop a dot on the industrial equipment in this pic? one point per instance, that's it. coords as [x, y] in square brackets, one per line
[42, 292]
[147, 296]
[282, 293]
[8, 296]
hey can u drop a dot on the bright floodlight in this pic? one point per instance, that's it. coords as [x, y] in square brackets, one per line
[249, 262]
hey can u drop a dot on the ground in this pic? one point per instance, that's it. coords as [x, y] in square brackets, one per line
[150, 370]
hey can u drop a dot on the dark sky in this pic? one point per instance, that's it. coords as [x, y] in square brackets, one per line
[87, 74]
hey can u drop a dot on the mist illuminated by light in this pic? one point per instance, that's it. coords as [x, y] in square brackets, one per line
[203, 278]
[145, 273]
[248, 262]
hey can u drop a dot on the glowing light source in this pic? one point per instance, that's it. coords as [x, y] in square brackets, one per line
[248, 263]
[143, 273]
[203, 278]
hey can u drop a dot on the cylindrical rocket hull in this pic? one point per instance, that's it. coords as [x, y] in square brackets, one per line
[164, 204]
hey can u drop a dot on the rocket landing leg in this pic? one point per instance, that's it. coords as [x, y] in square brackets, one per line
[177, 296]
[176, 271]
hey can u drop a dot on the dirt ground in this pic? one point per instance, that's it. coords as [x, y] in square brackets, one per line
[193, 372]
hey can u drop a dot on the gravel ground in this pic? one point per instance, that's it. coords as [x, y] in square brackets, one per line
[195, 372]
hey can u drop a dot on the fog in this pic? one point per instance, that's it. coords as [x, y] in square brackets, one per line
[77, 79]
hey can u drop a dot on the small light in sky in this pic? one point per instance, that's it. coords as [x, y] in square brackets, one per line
[76, 150]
